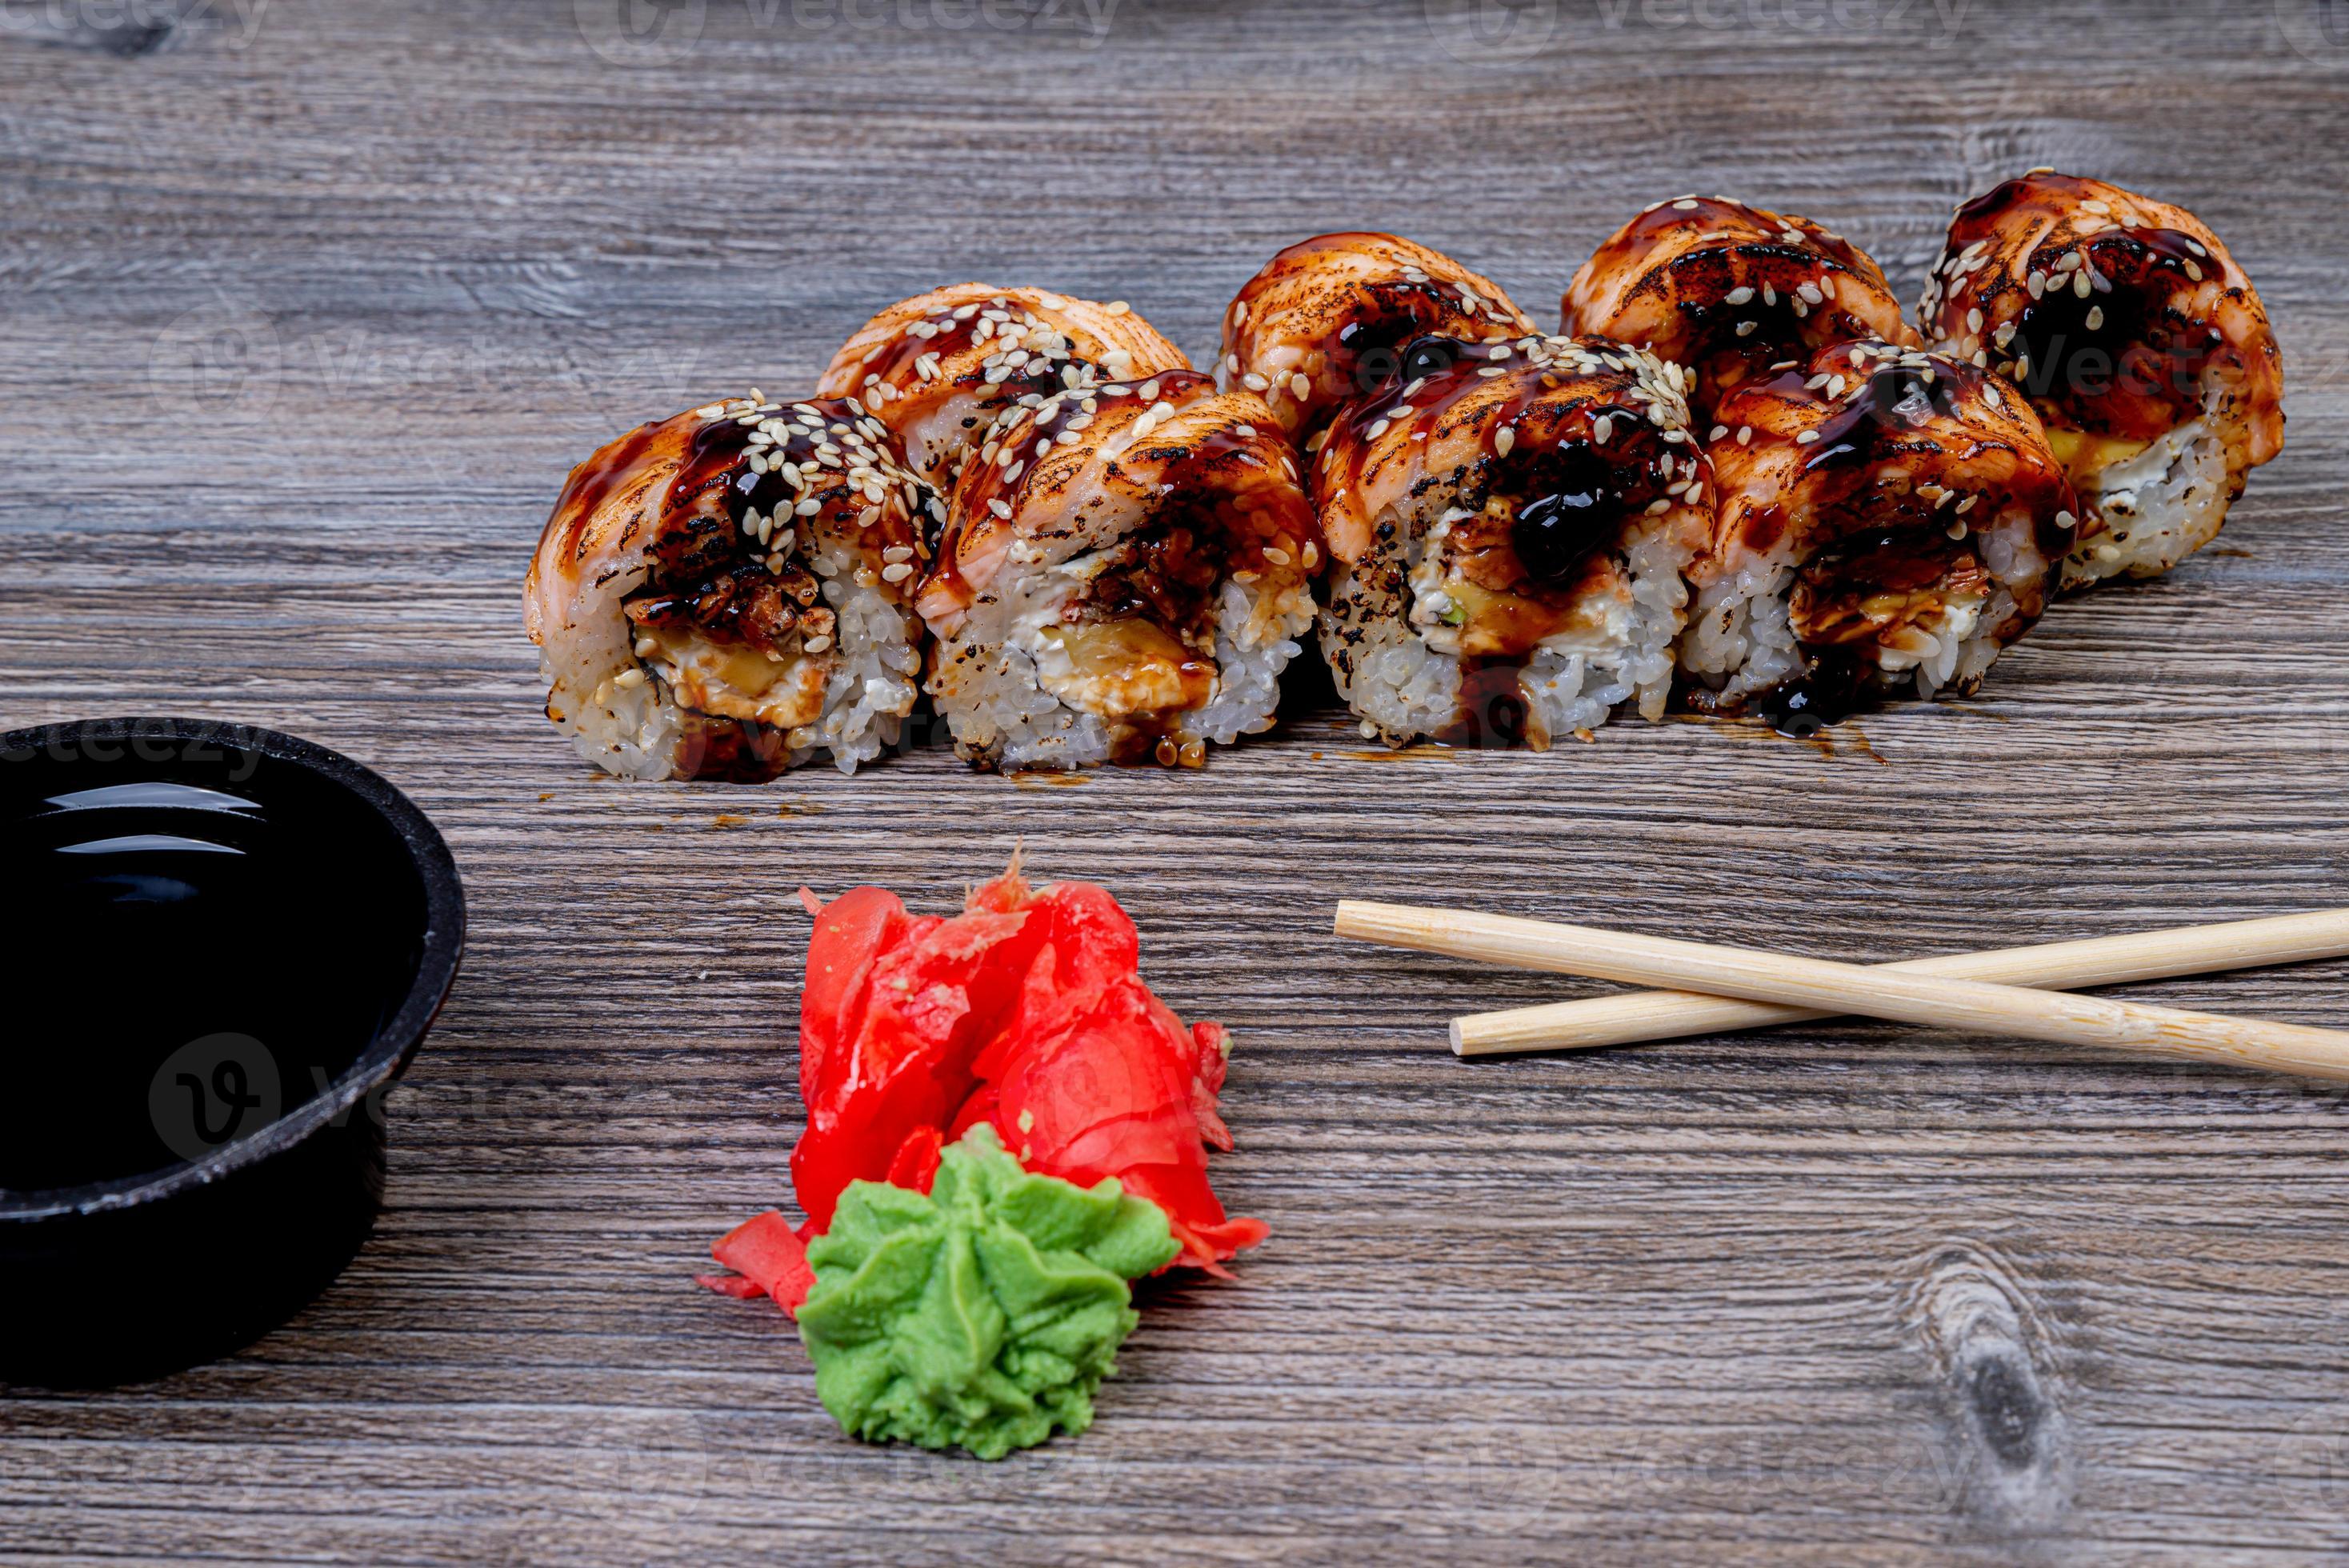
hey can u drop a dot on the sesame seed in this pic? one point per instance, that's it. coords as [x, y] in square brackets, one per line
[1806, 437]
[897, 572]
[999, 508]
[1503, 440]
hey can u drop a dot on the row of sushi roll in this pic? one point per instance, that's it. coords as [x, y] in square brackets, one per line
[1739, 479]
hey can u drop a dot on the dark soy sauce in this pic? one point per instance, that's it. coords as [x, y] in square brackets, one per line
[194, 960]
[1826, 691]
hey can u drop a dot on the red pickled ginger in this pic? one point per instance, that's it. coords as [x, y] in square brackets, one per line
[1027, 1011]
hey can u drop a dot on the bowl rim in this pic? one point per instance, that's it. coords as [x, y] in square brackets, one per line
[386, 1055]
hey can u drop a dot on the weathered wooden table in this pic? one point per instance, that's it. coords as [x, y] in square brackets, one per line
[305, 310]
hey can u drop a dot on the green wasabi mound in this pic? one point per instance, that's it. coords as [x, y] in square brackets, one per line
[984, 1315]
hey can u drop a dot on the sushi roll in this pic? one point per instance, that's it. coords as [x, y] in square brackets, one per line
[1334, 319]
[1508, 540]
[1123, 575]
[938, 367]
[728, 592]
[2142, 345]
[1726, 291]
[1888, 521]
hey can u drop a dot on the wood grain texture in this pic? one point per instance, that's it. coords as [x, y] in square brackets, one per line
[1839, 1293]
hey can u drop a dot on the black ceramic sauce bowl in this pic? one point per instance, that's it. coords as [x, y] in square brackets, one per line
[237, 940]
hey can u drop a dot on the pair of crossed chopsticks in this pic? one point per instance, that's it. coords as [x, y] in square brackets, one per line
[1722, 988]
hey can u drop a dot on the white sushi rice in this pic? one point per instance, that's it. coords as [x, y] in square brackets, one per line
[1398, 665]
[633, 727]
[1741, 638]
[628, 731]
[1391, 678]
[2159, 507]
[1009, 702]
[1572, 686]
[631, 733]
[873, 677]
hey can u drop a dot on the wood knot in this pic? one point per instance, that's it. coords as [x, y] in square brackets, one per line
[1994, 1367]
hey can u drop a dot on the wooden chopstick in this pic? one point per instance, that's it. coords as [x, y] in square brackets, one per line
[1905, 995]
[1636, 1016]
